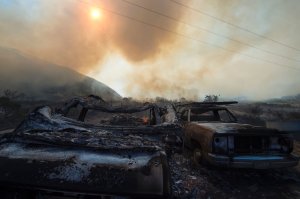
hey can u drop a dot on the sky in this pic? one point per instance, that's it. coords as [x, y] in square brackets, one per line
[167, 48]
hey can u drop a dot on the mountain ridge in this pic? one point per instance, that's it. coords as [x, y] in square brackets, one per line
[43, 80]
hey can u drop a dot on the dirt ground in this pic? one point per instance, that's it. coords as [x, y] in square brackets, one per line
[210, 182]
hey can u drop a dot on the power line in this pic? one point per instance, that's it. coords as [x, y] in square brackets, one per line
[207, 30]
[234, 25]
[188, 37]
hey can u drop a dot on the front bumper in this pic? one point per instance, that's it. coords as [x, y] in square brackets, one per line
[253, 161]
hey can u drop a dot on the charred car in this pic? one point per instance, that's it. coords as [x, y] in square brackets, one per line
[49, 155]
[215, 137]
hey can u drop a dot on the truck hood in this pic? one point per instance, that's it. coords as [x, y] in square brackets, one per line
[233, 128]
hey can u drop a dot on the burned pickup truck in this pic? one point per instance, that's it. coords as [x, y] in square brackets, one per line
[52, 155]
[215, 137]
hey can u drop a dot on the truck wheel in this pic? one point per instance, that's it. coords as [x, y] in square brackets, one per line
[197, 156]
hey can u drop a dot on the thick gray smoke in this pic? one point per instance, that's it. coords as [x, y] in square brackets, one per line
[160, 63]
[193, 70]
[63, 32]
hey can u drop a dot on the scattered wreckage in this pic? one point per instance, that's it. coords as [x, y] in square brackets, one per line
[215, 137]
[50, 154]
[125, 151]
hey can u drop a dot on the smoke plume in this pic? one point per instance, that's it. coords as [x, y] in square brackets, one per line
[63, 32]
[142, 54]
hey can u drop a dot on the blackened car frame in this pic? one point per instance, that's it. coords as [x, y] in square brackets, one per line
[211, 131]
[49, 155]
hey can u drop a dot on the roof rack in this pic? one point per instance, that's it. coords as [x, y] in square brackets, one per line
[199, 104]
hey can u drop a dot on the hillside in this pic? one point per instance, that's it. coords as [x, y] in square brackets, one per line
[41, 80]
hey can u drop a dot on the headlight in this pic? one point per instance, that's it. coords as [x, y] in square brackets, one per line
[220, 144]
[274, 143]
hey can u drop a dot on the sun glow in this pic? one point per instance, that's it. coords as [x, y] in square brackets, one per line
[95, 13]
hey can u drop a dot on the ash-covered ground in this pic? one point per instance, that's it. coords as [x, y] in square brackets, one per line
[212, 182]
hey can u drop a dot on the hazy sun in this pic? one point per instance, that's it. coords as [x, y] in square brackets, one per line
[95, 13]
